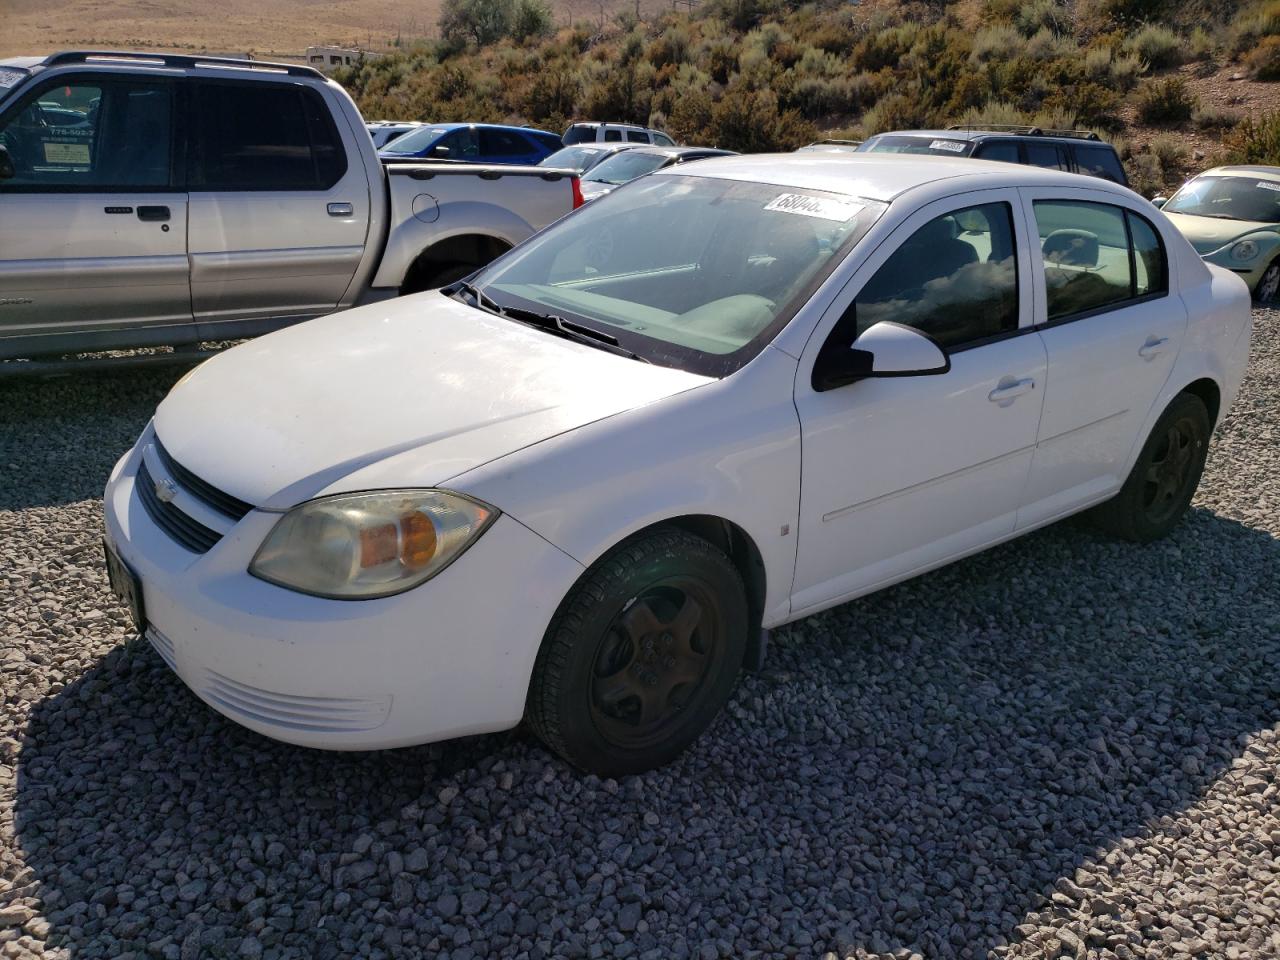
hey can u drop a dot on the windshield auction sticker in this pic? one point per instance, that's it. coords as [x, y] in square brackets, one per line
[1268, 185]
[949, 145]
[9, 77]
[824, 208]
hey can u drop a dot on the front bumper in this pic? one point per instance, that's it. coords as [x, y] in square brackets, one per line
[449, 658]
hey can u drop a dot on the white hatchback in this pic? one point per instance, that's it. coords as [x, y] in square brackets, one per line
[580, 488]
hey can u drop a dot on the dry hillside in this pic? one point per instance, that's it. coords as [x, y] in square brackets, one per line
[264, 27]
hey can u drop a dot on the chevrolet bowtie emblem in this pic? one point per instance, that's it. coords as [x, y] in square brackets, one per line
[166, 490]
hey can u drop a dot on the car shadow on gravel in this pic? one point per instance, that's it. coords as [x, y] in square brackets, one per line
[918, 769]
[60, 437]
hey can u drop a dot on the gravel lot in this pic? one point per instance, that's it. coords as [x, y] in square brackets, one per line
[1065, 746]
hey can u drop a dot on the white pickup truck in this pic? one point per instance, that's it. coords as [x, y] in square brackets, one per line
[156, 199]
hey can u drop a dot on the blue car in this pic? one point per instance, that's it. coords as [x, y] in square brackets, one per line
[474, 142]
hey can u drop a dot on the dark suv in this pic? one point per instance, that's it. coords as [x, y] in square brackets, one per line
[1076, 151]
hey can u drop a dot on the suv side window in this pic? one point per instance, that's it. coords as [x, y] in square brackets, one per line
[1004, 150]
[262, 137]
[637, 136]
[956, 279]
[1096, 257]
[98, 134]
[1099, 162]
[662, 140]
[1048, 155]
[612, 135]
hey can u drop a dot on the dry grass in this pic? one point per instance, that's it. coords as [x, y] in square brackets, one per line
[278, 28]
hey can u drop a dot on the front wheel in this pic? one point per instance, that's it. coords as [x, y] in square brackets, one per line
[1164, 478]
[641, 656]
[1269, 284]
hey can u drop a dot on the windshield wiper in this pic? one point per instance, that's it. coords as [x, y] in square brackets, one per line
[577, 332]
[482, 300]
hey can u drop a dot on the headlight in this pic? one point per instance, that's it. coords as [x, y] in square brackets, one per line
[359, 546]
[1244, 250]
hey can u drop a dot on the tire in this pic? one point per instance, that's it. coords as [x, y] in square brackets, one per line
[435, 276]
[1269, 284]
[1164, 478]
[641, 656]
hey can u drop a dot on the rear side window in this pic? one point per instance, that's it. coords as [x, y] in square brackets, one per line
[637, 136]
[263, 137]
[1100, 162]
[1096, 257]
[663, 140]
[502, 143]
[613, 135]
[92, 135]
[1046, 155]
[1001, 150]
[956, 279]
[578, 134]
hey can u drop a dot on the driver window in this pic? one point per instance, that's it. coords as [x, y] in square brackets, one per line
[955, 279]
[462, 143]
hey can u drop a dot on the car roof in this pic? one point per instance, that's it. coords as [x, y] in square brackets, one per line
[884, 176]
[607, 123]
[981, 133]
[1243, 170]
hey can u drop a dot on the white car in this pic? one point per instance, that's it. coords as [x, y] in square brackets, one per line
[731, 394]
[384, 132]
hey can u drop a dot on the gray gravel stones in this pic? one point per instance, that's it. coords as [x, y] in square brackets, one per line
[1063, 747]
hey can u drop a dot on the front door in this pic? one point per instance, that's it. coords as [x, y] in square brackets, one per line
[94, 230]
[1112, 332]
[279, 214]
[901, 474]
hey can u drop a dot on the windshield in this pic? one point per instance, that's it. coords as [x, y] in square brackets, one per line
[1229, 198]
[691, 272]
[417, 141]
[937, 146]
[575, 158]
[626, 166]
[9, 78]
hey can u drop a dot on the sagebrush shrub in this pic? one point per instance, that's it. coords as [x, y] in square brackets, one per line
[1156, 45]
[1165, 102]
[1255, 141]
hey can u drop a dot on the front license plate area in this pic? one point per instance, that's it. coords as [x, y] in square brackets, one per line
[126, 586]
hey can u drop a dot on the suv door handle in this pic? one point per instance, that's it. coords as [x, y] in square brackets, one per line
[1011, 390]
[1153, 347]
[153, 213]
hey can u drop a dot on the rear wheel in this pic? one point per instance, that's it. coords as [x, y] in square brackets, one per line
[641, 656]
[1164, 478]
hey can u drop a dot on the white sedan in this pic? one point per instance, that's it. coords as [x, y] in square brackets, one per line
[580, 488]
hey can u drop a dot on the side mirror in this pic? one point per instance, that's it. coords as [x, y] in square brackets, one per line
[441, 152]
[885, 349]
[1159, 201]
[7, 169]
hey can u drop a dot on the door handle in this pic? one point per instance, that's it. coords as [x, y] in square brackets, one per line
[1011, 390]
[153, 213]
[1153, 347]
[340, 209]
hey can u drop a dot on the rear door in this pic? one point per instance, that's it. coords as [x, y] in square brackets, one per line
[508, 146]
[279, 214]
[93, 227]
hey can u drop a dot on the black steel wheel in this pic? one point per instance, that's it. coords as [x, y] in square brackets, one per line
[1164, 478]
[642, 654]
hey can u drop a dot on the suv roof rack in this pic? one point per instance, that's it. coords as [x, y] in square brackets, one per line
[850, 143]
[1026, 130]
[177, 60]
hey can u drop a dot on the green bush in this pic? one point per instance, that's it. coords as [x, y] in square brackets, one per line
[1171, 151]
[1156, 45]
[531, 18]
[1255, 141]
[1036, 15]
[1214, 118]
[1263, 60]
[1165, 102]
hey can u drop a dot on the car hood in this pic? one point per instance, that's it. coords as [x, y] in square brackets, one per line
[1208, 234]
[439, 385]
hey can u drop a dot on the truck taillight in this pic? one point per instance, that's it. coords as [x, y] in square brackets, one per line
[577, 194]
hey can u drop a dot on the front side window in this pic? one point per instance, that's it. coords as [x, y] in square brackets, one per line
[462, 144]
[1002, 150]
[693, 272]
[1096, 256]
[92, 135]
[263, 137]
[956, 279]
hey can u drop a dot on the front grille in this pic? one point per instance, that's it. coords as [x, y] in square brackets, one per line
[205, 492]
[195, 536]
[313, 714]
